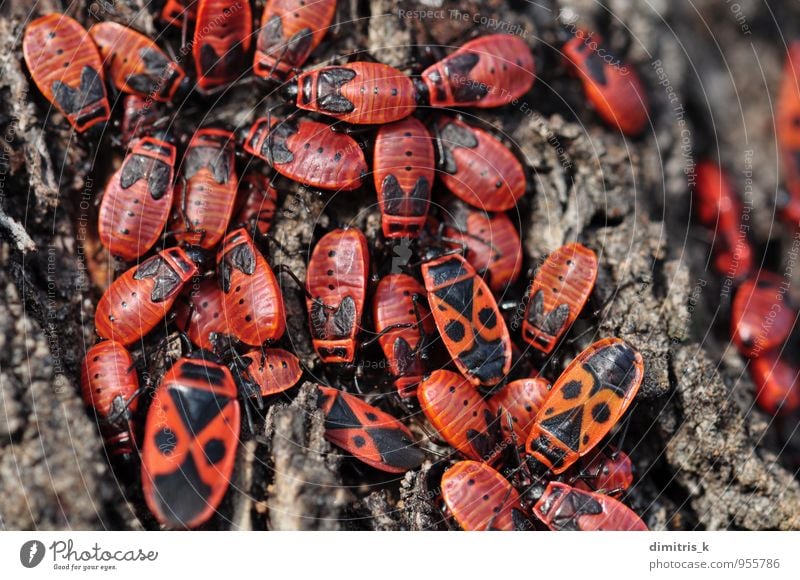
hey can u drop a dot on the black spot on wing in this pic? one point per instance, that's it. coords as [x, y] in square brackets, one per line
[214, 451]
[548, 322]
[275, 148]
[454, 330]
[197, 407]
[181, 494]
[395, 448]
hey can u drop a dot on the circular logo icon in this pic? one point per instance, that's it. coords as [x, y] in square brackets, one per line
[31, 553]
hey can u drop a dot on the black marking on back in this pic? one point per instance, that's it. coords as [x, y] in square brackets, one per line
[452, 136]
[156, 66]
[485, 443]
[215, 159]
[544, 446]
[275, 148]
[197, 407]
[73, 100]
[240, 258]
[329, 90]
[181, 494]
[214, 65]
[156, 172]
[404, 355]
[395, 447]
[398, 202]
[211, 374]
[446, 271]
[551, 322]
[566, 426]
[167, 281]
[596, 68]
[459, 296]
[612, 368]
[573, 506]
[271, 35]
[464, 88]
[341, 416]
[485, 359]
[336, 324]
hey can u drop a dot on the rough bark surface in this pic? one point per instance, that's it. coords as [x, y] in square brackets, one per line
[705, 457]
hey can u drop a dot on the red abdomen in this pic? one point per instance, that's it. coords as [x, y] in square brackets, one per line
[108, 385]
[614, 89]
[139, 299]
[478, 168]
[564, 508]
[762, 316]
[403, 165]
[290, 31]
[66, 67]
[478, 497]
[222, 37]
[336, 279]
[308, 152]
[135, 64]
[559, 292]
[204, 204]
[490, 71]
[137, 200]
[253, 304]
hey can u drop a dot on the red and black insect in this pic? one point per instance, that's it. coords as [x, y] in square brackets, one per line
[135, 64]
[137, 201]
[190, 440]
[66, 66]
[720, 209]
[776, 381]
[586, 402]
[308, 152]
[459, 414]
[202, 314]
[371, 435]
[468, 319]
[613, 88]
[521, 400]
[109, 386]
[787, 128]
[140, 117]
[290, 31]
[491, 241]
[206, 193]
[490, 71]
[361, 93]
[557, 295]
[479, 498]
[139, 299]
[178, 12]
[222, 37]
[403, 164]
[606, 473]
[271, 370]
[564, 508]
[399, 302]
[256, 203]
[253, 304]
[762, 317]
[478, 168]
[336, 284]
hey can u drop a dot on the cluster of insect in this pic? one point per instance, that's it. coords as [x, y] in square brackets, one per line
[763, 314]
[169, 219]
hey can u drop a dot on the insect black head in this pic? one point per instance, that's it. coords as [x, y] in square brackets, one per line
[200, 256]
[289, 90]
